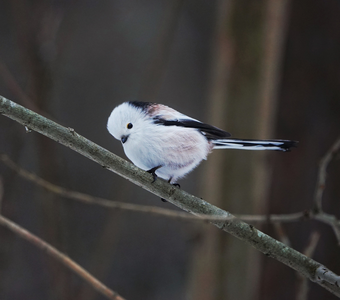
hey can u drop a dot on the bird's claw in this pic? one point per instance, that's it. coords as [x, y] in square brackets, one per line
[153, 173]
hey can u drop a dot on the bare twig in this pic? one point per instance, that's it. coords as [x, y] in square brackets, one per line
[15, 88]
[318, 211]
[322, 175]
[273, 218]
[283, 237]
[313, 242]
[85, 198]
[180, 198]
[65, 260]
[302, 284]
[1, 192]
[88, 199]
[330, 220]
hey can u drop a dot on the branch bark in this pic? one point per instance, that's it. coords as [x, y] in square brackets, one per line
[270, 247]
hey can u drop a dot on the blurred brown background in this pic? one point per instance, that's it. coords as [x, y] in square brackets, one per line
[258, 69]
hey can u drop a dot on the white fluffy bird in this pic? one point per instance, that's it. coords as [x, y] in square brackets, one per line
[168, 144]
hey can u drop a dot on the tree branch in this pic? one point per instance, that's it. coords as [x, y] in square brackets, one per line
[247, 233]
[69, 263]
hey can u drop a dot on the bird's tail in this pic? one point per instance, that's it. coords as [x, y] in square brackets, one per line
[279, 145]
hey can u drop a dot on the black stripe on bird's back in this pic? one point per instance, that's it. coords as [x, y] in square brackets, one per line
[140, 104]
[209, 131]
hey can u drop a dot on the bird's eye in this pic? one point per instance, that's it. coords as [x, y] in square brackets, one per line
[129, 126]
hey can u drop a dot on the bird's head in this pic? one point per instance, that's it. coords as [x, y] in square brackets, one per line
[125, 121]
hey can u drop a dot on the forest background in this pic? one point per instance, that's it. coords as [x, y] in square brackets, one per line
[258, 69]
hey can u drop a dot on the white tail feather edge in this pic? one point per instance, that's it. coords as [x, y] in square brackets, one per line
[280, 145]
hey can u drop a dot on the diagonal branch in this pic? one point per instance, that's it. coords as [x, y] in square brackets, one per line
[60, 257]
[247, 233]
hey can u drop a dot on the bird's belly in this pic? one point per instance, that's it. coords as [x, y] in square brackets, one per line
[176, 154]
[141, 157]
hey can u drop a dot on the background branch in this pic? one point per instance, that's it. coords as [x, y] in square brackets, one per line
[302, 282]
[322, 175]
[88, 199]
[318, 211]
[69, 263]
[248, 233]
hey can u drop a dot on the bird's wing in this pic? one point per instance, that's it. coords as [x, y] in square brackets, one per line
[167, 116]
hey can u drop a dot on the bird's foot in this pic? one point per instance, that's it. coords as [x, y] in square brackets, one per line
[153, 173]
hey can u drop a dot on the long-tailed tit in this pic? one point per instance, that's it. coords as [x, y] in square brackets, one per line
[168, 144]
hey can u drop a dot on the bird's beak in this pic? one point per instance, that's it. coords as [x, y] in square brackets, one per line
[124, 138]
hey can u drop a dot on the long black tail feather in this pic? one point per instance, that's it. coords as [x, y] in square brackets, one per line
[248, 144]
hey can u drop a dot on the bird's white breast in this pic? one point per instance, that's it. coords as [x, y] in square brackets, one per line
[177, 149]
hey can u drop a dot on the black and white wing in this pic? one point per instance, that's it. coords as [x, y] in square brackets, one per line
[167, 116]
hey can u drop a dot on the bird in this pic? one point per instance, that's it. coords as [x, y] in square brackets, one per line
[169, 144]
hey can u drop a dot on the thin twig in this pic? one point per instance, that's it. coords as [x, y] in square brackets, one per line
[318, 212]
[245, 232]
[330, 220]
[302, 284]
[1, 192]
[322, 175]
[16, 89]
[65, 260]
[283, 237]
[88, 199]
[313, 242]
[273, 218]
